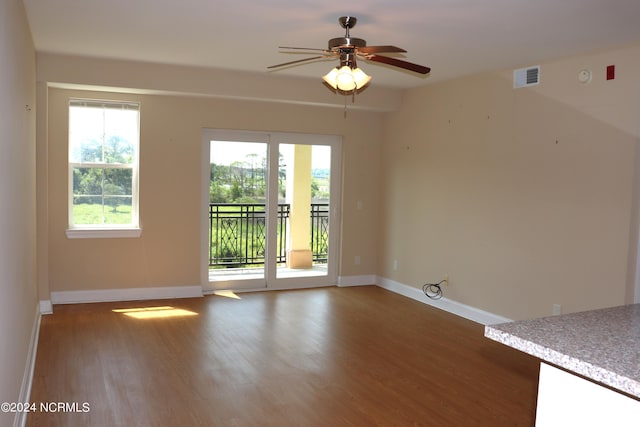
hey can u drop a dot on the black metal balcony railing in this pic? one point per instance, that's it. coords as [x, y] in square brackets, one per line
[237, 233]
[319, 232]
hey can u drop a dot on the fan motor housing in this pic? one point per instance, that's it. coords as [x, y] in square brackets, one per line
[339, 42]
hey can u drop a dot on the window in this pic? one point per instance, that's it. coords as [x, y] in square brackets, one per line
[103, 168]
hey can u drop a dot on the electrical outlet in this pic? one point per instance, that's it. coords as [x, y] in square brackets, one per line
[557, 309]
[395, 265]
[446, 279]
[357, 260]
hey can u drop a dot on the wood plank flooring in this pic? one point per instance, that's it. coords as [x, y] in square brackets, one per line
[321, 357]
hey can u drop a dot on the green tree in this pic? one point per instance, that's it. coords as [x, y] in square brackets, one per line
[236, 191]
[218, 193]
[251, 187]
[112, 190]
[116, 149]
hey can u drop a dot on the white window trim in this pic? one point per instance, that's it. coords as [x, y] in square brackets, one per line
[99, 233]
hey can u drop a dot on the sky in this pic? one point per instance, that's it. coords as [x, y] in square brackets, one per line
[225, 153]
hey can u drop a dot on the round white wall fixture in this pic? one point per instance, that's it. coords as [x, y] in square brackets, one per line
[584, 76]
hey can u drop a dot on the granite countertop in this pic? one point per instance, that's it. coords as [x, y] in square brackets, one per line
[602, 345]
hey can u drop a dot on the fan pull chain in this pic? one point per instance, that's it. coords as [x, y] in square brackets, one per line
[353, 101]
[345, 107]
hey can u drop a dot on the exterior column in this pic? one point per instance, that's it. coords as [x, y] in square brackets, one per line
[299, 197]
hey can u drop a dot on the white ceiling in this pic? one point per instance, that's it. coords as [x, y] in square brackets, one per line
[453, 37]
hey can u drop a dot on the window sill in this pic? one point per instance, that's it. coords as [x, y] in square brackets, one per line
[103, 233]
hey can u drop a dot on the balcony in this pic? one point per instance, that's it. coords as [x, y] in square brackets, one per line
[237, 237]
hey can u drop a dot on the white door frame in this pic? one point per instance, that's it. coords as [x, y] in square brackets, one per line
[273, 139]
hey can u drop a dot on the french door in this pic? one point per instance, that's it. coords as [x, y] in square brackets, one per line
[269, 210]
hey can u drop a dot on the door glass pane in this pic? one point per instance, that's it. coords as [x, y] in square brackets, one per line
[237, 210]
[303, 198]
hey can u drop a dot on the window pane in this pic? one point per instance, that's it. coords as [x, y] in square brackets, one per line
[102, 196]
[87, 211]
[117, 182]
[117, 210]
[85, 135]
[87, 182]
[117, 196]
[120, 135]
[102, 134]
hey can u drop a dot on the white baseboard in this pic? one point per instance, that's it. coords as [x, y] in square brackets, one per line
[130, 294]
[168, 292]
[454, 307]
[46, 307]
[344, 281]
[20, 419]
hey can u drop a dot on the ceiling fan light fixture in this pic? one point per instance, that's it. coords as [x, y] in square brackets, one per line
[346, 79]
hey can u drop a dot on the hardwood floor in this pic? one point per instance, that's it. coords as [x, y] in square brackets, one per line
[322, 357]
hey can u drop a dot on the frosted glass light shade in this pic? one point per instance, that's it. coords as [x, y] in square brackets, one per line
[330, 78]
[346, 79]
[360, 78]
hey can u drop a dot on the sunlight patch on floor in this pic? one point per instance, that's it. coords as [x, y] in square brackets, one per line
[227, 294]
[154, 312]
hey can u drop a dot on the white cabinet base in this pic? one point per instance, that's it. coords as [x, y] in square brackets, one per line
[567, 400]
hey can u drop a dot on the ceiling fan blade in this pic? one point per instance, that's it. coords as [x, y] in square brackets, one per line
[399, 63]
[380, 49]
[296, 62]
[303, 48]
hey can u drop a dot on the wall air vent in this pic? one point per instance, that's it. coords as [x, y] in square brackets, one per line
[526, 76]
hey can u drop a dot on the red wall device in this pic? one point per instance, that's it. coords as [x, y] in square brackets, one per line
[611, 72]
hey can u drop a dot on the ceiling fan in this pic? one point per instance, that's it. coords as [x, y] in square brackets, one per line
[347, 78]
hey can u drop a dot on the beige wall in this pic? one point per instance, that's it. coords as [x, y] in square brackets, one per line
[524, 197]
[466, 177]
[18, 299]
[167, 253]
[220, 83]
